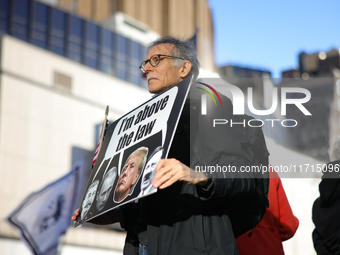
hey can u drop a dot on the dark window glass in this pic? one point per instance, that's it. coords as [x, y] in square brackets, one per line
[106, 41]
[4, 10]
[142, 52]
[57, 32]
[134, 62]
[135, 54]
[19, 19]
[75, 31]
[122, 45]
[39, 21]
[74, 38]
[91, 44]
[114, 53]
[129, 61]
[106, 51]
[121, 57]
[142, 55]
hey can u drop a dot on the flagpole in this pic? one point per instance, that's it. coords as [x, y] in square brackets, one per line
[99, 145]
[103, 128]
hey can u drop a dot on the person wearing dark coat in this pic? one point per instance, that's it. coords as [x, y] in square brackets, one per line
[326, 208]
[190, 213]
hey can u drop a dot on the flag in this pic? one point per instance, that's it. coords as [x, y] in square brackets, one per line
[95, 155]
[45, 215]
[107, 124]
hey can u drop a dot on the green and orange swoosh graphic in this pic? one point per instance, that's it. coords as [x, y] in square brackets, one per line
[209, 93]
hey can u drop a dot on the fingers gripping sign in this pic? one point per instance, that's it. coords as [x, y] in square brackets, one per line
[169, 171]
[76, 215]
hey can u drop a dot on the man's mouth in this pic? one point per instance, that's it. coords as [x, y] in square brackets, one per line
[121, 182]
[152, 78]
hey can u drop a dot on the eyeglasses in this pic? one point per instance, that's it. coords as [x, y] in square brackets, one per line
[154, 60]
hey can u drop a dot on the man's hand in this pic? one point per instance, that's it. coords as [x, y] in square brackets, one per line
[76, 215]
[169, 171]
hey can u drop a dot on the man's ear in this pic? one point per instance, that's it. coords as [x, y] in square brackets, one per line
[185, 69]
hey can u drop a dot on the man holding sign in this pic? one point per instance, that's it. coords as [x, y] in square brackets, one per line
[189, 214]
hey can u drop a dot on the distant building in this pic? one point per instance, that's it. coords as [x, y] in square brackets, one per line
[317, 73]
[58, 72]
[244, 78]
[334, 119]
[75, 38]
[293, 73]
[164, 17]
[312, 133]
[233, 71]
[318, 64]
[61, 63]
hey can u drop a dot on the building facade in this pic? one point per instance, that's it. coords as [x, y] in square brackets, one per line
[58, 72]
[319, 73]
[165, 17]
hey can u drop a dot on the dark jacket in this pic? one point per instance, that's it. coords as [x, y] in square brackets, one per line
[188, 219]
[326, 212]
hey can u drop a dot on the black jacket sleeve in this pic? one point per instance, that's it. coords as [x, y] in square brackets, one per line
[220, 150]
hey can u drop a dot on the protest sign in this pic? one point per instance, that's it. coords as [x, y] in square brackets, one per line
[131, 149]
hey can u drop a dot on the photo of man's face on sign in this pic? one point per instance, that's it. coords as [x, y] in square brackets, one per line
[89, 198]
[149, 171]
[105, 187]
[130, 174]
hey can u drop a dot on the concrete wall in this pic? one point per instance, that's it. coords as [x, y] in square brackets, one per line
[41, 125]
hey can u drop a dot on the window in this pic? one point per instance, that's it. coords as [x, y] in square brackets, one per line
[74, 38]
[19, 19]
[57, 31]
[121, 60]
[62, 82]
[106, 59]
[39, 20]
[4, 10]
[91, 44]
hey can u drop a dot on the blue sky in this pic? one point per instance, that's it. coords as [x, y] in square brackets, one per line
[269, 34]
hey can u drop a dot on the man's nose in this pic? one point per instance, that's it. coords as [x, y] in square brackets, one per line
[124, 173]
[148, 67]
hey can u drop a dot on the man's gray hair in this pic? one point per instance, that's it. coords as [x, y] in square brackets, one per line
[142, 153]
[95, 183]
[109, 173]
[334, 150]
[182, 49]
